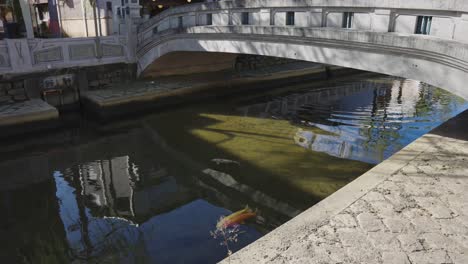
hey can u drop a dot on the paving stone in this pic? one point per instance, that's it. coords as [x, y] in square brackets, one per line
[399, 178]
[332, 253]
[384, 208]
[343, 220]
[360, 206]
[384, 241]
[453, 226]
[351, 237]
[396, 257]
[433, 241]
[369, 222]
[396, 225]
[374, 196]
[424, 224]
[435, 207]
[429, 257]
[458, 258]
[410, 242]
[362, 255]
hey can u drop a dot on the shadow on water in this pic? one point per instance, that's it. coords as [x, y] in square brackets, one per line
[151, 189]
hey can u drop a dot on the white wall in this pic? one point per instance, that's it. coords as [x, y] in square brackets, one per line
[261, 17]
[461, 29]
[237, 18]
[362, 21]
[335, 19]
[220, 19]
[189, 20]
[315, 18]
[301, 19]
[405, 24]
[443, 27]
[380, 20]
[280, 18]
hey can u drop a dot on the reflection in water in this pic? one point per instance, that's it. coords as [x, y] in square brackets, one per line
[151, 190]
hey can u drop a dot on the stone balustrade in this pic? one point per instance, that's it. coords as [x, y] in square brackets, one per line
[20, 56]
[449, 19]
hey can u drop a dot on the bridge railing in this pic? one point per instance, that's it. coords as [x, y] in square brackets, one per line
[443, 19]
[19, 56]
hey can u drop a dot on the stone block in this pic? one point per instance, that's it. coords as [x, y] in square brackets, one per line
[370, 222]
[343, 220]
[397, 257]
[428, 257]
[410, 242]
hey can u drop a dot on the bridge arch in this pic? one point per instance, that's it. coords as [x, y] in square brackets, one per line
[439, 63]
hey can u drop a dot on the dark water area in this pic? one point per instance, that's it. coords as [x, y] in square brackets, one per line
[151, 189]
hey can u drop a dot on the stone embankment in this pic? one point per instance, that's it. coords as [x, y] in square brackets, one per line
[411, 208]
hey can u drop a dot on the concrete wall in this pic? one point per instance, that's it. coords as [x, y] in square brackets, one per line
[461, 28]
[380, 20]
[220, 18]
[189, 20]
[443, 27]
[405, 24]
[362, 21]
[334, 19]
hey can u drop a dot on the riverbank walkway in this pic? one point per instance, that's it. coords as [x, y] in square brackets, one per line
[411, 208]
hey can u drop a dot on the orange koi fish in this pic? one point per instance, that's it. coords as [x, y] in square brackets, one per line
[236, 218]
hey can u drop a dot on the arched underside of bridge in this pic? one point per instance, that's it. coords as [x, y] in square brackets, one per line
[434, 61]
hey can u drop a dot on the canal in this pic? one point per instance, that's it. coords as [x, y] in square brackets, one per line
[151, 189]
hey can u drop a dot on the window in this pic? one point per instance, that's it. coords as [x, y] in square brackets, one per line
[209, 19]
[347, 20]
[289, 18]
[155, 30]
[423, 25]
[245, 18]
[109, 6]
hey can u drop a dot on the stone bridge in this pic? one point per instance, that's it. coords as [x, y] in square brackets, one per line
[377, 36]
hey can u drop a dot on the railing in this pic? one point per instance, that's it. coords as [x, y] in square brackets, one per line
[449, 18]
[30, 55]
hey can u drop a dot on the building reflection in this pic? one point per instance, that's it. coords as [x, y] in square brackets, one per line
[364, 121]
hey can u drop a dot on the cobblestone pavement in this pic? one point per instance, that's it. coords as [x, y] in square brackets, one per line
[419, 214]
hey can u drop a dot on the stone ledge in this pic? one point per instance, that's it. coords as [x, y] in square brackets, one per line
[26, 112]
[119, 100]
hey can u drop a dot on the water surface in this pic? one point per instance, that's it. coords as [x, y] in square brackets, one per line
[150, 190]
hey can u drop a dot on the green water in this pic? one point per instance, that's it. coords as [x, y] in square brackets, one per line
[150, 189]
